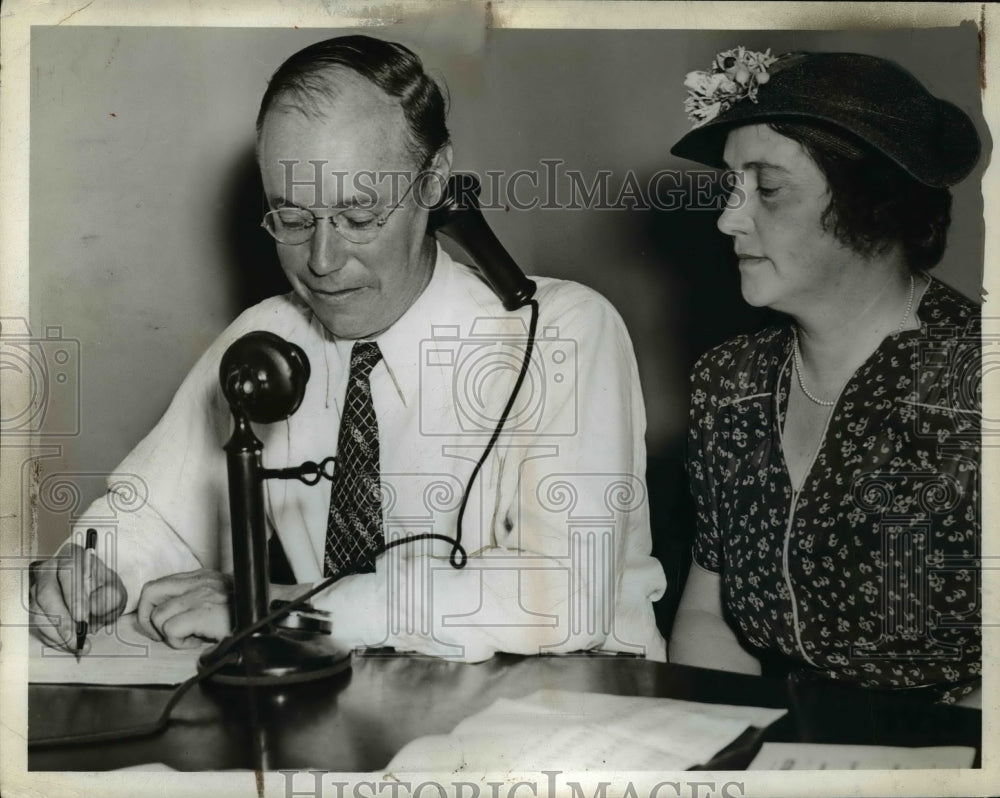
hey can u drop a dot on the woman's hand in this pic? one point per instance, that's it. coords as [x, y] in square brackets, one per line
[61, 594]
[973, 699]
[185, 610]
[701, 636]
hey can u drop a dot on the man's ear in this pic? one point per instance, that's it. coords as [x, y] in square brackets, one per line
[434, 178]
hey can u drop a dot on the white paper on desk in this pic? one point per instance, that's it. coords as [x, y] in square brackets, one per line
[809, 756]
[119, 654]
[604, 707]
[581, 731]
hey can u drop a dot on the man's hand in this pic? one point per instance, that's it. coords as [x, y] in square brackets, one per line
[60, 596]
[185, 610]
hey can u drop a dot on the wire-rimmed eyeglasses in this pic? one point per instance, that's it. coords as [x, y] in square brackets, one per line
[295, 225]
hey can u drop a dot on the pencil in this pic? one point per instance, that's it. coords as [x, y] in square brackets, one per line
[88, 568]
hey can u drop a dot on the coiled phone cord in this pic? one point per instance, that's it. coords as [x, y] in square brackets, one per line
[457, 558]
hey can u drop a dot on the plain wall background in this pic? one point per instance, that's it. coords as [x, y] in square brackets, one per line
[145, 201]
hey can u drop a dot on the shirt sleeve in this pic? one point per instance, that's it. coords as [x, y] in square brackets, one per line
[707, 550]
[166, 509]
[563, 562]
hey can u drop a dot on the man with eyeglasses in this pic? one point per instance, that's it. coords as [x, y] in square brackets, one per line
[413, 358]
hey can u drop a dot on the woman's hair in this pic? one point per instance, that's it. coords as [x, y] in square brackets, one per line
[304, 81]
[873, 202]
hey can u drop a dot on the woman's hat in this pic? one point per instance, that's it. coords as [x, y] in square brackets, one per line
[871, 98]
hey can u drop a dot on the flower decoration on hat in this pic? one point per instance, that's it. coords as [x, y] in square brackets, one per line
[734, 75]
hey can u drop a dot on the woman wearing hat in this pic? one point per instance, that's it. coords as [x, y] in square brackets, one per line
[834, 457]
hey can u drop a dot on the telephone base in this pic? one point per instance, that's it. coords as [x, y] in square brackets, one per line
[277, 657]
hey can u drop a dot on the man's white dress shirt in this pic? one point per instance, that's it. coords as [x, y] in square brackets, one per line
[557, 523]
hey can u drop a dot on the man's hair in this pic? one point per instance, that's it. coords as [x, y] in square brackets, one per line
[305, 80]
[874, 203]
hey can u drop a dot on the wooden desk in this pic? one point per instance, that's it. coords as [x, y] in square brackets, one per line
[358, 720]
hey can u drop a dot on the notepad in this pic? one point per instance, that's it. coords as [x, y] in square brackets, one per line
[584, 731]
[119, 654]
[809, 756]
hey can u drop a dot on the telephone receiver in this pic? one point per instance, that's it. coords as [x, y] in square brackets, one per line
[459, 217]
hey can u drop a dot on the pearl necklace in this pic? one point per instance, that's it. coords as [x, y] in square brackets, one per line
[797, 354]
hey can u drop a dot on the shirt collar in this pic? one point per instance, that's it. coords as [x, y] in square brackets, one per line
[400, 344]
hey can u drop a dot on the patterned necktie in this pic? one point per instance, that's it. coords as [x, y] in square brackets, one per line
[354, 527]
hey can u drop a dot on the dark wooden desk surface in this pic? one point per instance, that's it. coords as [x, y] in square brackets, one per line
[358, 720]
